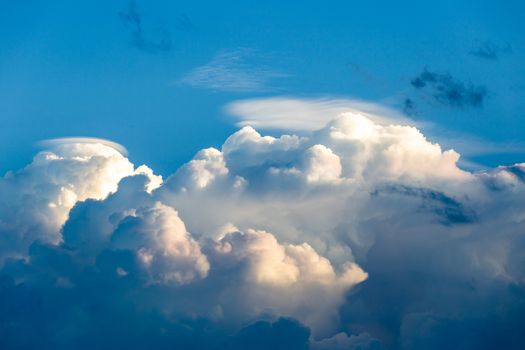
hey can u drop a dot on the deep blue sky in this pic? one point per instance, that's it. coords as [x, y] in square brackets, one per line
[131, 73]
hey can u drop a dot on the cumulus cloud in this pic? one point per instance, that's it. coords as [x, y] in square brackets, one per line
[292, 280]
[36, 200]
[361, 235]
[307, 115]
[162, 245]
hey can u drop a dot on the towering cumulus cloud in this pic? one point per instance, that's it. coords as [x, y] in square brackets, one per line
[357, 236]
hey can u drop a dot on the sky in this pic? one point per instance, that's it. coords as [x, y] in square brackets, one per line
[152, 75]
[284, 175]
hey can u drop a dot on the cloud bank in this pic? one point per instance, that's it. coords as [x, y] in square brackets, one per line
[362, 235]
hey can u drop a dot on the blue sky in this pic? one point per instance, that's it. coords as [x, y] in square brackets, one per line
[78, 69]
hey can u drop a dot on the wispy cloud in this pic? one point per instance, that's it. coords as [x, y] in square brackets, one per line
[233, 71]
[132, 19]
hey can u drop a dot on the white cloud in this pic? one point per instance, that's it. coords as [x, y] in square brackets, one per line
[358, 228]
[36, 199]
[321, 164]
[289, 279]
[306, 115]
[202, 170]
[162, 245]
[250, 272]
[83, 140]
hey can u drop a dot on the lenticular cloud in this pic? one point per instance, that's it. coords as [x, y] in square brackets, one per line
[357, 236]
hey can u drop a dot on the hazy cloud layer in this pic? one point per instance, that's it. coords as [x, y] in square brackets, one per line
[363, 235]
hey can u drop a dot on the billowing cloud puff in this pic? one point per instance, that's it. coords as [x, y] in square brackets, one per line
[350, 147]
[358, 236]
[36, 200]
[293, 280]
[159, 239]
[320, 164]
[202, 170]
[239, 275]
[390, 152]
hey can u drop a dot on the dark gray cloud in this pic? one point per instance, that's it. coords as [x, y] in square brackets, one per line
[41, 314]
[409, 107]
[427, 291]
[282, 334]
[446, 90]
[62, 305]
[490, 51]
[449, 211]
[132, 19]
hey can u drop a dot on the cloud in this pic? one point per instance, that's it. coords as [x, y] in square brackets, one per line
[342, 341]
[247, 272]
[36, 199]
[446, 90]
[232, 71]
[132, 19]
[282, 334]
[448, 210]
[409, 107]
[304, 115]
[360, 235]
[299, 114]
[83, 140]
[490, 51]
[161, 243]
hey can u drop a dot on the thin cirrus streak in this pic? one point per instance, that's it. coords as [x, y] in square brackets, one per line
[233, 71]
